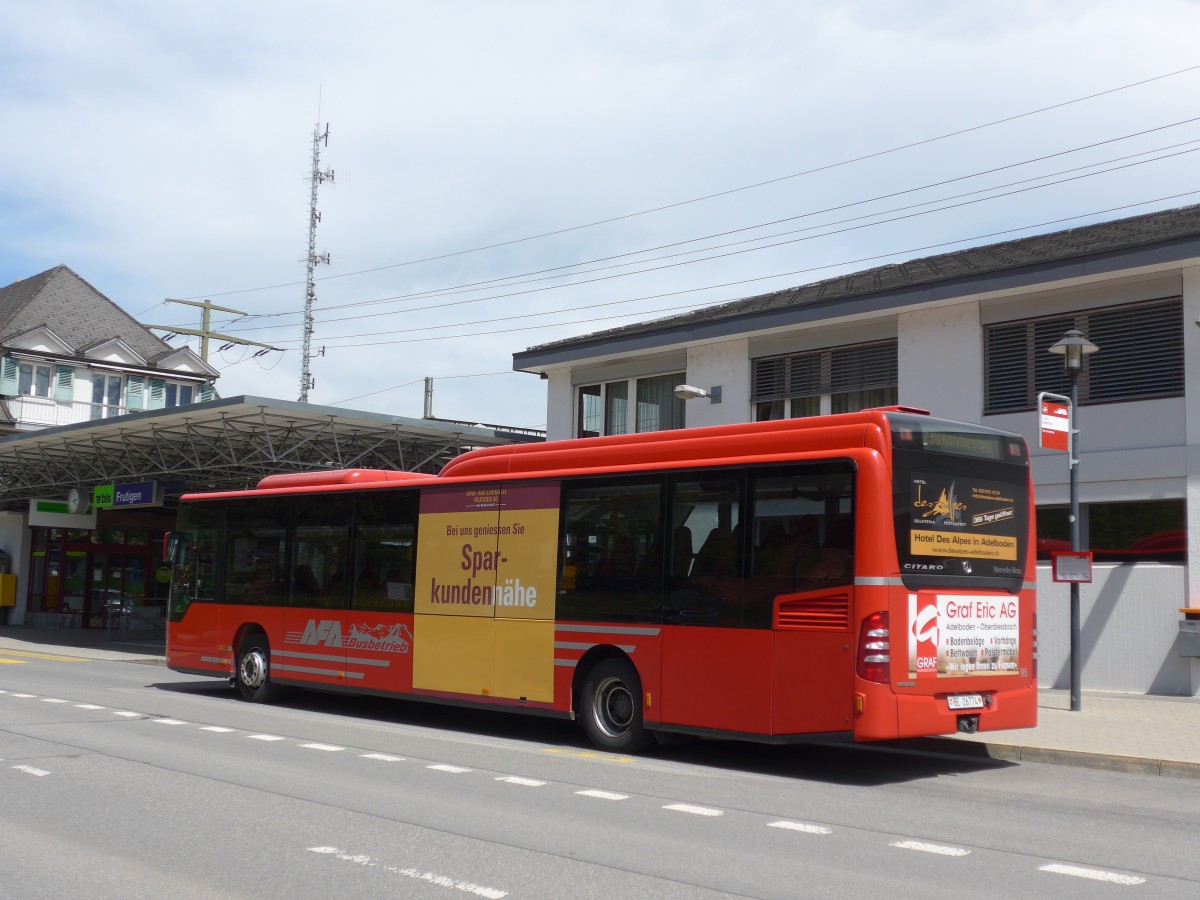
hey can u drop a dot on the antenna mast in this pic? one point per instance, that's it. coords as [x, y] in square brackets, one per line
[310, 290]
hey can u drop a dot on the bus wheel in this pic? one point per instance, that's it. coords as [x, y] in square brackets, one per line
[612, 707]
[254, 668]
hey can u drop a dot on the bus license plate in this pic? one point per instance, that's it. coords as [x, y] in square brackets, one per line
[965, 701]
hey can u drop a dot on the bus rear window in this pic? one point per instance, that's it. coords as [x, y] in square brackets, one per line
[961, 507]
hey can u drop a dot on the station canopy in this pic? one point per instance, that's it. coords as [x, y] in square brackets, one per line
[230, 444]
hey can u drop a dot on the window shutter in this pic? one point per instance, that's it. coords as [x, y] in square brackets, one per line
[64, 383]
[1141, 356]
[134, 392]
[8, 377]
[157, 398]
[1141, 352]
[204, 393]
[860, 367]
[863, 368]
[804, 375]
[770, 379]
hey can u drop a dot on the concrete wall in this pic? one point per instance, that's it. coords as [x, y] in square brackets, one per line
[939, 353]
[726, 364]
[1129, 627]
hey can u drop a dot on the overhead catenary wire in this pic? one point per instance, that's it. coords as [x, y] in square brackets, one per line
[809, 270]
[477, 285]
[894, 219]
[723, 193]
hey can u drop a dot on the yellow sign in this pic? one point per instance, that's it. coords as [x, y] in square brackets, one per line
[485, 592]
[951, 543]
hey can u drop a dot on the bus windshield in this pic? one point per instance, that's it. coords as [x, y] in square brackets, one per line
[960, 504]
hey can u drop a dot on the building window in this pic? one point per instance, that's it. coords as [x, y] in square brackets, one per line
[658, 409]
[178, 394]
[1137, 531]
[835, 380]
[604, 408]
[106, 396]
[1141, 356]
[33, 381]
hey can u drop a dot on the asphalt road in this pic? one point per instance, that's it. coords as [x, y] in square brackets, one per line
[127, 780]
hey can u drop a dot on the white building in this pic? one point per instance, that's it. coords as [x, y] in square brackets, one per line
[69, 354]
[70, 357]
[966, 335]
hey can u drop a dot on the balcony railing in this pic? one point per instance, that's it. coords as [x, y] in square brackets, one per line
[44, 412]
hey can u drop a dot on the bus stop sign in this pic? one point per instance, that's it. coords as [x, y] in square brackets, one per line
[1055, 424]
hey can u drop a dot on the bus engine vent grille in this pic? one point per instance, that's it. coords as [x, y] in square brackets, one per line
[823, 611]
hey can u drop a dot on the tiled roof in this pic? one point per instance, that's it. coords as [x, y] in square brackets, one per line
[77, 312]
[1134, 232]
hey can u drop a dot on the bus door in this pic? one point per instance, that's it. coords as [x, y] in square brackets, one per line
[801, 586]
[715, 672]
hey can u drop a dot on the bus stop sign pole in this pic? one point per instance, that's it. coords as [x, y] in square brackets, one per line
[1057, 432]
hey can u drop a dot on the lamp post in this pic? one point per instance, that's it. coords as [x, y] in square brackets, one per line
[1073, 347]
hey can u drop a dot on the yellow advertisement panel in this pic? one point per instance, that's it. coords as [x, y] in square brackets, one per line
[976, 546]
[522, 649]
[453, 654]
[487, 553]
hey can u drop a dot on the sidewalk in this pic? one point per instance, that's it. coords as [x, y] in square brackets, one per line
[1144, 733]
[1140, 733]
[87, 643]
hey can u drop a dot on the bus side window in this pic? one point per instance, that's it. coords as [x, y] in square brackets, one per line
[320, 550]
[705, 587]
[610, 567]
[802, 534]
[385, 551]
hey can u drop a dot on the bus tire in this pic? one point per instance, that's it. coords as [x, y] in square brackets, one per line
[612, 707]
[253, 670]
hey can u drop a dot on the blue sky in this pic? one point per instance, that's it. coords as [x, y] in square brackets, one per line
[163, 150]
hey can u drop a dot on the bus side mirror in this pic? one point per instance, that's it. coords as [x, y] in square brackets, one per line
[175, 547]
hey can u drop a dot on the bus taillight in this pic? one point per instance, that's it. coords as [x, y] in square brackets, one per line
[874, 649]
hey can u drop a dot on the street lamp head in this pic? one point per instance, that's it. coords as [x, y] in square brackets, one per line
[1072, 347]
[690, 392]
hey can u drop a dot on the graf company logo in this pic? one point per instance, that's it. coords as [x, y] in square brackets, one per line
[395, 638]
[924, 636]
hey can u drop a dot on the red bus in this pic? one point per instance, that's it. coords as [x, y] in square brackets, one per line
[864, 576]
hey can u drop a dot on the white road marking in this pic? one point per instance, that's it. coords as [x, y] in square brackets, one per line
[603, 795]
[1094, 874]
[25, 696]
[89, 706]
[126, 713]
[695, 810]
[526, 782]
[454, 770]
[800, 826]
[30, 770]
[940, 849]
[328, 748]
[382, 757]
[216, 729]
[264, 737]
[54, 700]
[170, 721]
[446, 881]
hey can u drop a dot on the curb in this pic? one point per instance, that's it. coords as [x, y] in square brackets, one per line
[1109, 762]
